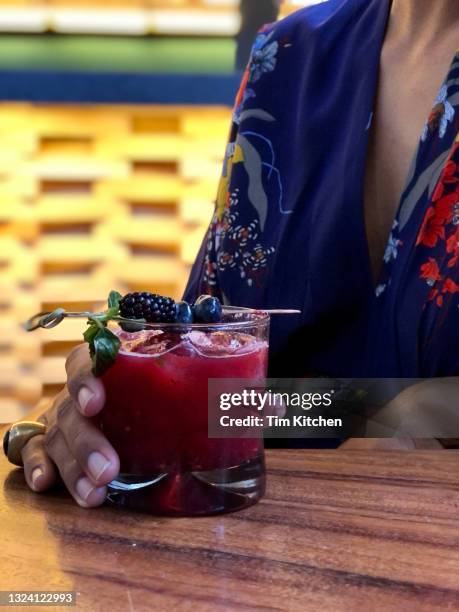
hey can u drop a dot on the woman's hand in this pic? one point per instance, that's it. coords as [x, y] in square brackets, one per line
[73, 447]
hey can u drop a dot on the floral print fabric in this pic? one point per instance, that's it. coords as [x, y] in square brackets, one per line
[288, 228]
[439, 234]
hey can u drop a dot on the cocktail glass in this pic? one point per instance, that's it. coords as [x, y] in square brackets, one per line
[156, 416]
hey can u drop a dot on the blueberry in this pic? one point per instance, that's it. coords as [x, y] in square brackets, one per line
[183, 312]
[207, 309]
[6, 441]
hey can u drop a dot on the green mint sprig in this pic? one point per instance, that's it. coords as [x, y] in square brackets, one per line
[104, 345]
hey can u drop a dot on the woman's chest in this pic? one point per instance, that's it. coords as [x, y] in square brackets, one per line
[402, 107]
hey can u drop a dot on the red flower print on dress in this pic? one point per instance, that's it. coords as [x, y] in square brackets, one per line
[431, 272]
[432, 228]
[452, 247]
[440, 231]
[449, 173]
[243, 234]
[210, 277]
[450, 286]
[433, 294]
[242, 88]
[449, 177]
[444, 207]
[226, 260]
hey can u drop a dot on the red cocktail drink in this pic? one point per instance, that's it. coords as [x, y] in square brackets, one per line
[156, 417]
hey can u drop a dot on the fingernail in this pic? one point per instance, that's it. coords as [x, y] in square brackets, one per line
[84, 397]
[84, 488]
[36, 475]
[97, 464]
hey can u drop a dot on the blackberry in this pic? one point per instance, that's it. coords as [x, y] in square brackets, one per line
[149, 306]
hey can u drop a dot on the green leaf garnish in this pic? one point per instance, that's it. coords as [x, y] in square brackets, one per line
[114, 299]
[89, 336]
[106, 347]
[103, 344]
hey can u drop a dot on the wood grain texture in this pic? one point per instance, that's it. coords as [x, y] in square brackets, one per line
[337, 530]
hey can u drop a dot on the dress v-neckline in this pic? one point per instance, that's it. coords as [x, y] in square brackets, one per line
[374, 280]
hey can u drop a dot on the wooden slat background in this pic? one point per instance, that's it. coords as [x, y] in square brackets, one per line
[223, 5]
[94, 198]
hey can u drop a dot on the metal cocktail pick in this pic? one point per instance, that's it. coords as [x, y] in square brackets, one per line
[48, 320]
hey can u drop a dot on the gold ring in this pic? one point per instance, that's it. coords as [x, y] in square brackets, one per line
[17, 437]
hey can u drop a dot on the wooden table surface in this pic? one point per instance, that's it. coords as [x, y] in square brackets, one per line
[337, 530]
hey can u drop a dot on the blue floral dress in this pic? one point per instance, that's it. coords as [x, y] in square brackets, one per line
[289, 228]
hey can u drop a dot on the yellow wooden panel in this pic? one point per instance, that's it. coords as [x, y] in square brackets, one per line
[51, 370]
[18, 186]
[94, 198]
[71, 249]
[148, 187]
[201, 168]
[68, 167]
[155, 231]
[14, 209]
[62, 208]
[141, 146]
[9, 372]
[11, 410]
[78, 121]
[83, 291]
[196, 211]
